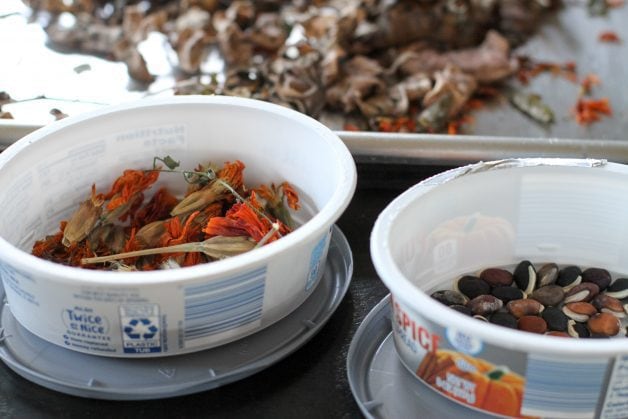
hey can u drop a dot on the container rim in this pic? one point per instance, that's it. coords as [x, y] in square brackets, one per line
[320, 222]
[411, 296]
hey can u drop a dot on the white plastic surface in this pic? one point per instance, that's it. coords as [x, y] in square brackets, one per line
[494, 214]
[87, 375]
[47, 173]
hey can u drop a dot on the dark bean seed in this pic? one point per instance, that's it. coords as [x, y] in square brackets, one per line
[569, 277]
[481, 318]
[604, 303]
[579, 311]
[450, 298]
[577, 330]
[462, 309]
[485, 304]
[496, 277]
[533, 324]
[598, 276]
[503, 319]
[550, 295]
[555, 319]
[547, 275]
[525, 276]
[472, 286]
[585, 291]
[507, 294]
[604, 324]
[524, 307]
[618, 289]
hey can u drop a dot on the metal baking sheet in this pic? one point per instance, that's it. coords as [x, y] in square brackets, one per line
[76, 83]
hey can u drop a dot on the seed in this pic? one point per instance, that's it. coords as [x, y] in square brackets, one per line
[549, 295]
[585, 291]
[618, 289]
[558, 333]
[481, 318]
[579, 311]
[504, 319]
[524, 307]
[525, 276]
[577, 330]
[555, 319]
[569, 277]
[607, 304]
[449, 297]
[496, 277]
[485, 304]
[604, 324]
[547, 275]
[533, 324]
[507, 294]
[472, 286]
[598, 276]
[462, 309]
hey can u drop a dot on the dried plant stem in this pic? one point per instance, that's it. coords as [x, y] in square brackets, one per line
[267, 236]
[217, 247]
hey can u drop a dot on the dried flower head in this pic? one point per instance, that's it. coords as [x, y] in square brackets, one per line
[84, 219]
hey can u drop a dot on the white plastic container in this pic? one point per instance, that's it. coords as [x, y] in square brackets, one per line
[497, 214]
[136, 314]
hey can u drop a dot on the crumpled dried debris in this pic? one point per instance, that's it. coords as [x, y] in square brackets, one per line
[372, 60]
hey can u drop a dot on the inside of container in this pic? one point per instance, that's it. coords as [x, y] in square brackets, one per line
[46, 181]
[565, 215]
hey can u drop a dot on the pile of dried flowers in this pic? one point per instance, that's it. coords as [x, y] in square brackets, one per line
[218, 217]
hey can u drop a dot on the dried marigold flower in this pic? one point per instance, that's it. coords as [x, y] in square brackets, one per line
[46, 247]
[609, 36]
[291, 196]
[233, 174]
[158, 208]
[126, 190]
[230, 179]
[242, 220]
[84, 219]
[177, 232]
[588, 111]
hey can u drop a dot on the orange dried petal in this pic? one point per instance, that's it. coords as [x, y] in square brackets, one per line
[128, 185]
[240, 220]
[233, 174]
[291, 195]
[158, 208]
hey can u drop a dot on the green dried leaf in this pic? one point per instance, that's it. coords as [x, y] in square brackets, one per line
[597, 7]
[168, 161]
[533, 106]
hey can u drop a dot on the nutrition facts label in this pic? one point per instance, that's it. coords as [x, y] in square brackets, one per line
[616, 402]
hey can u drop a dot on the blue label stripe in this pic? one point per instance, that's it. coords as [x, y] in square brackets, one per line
[224, 283]
[222, 305]
[563, 387]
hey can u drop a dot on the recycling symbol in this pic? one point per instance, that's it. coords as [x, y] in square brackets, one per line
[140, 329]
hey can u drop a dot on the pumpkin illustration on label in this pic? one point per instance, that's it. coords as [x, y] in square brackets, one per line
[473, 381]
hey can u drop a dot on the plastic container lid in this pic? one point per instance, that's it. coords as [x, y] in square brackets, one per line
[98, 377]
[382, 386]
